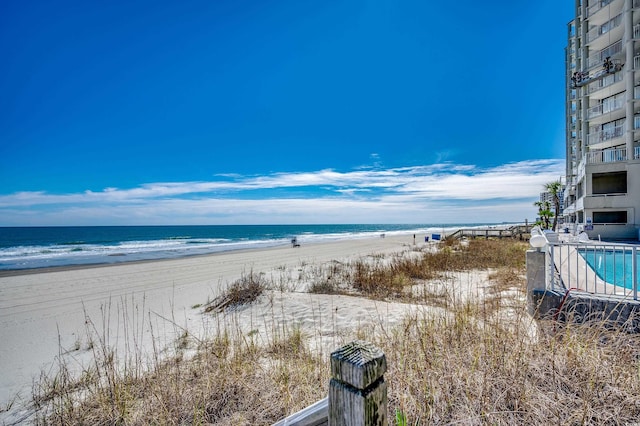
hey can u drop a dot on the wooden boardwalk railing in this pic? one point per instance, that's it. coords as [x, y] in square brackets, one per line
[516, 231]
[357, 391]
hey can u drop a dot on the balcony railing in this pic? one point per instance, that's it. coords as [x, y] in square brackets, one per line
[599, 57]
[606, 107]
[598, 4]
[605, 135]
[636, 152]
[611, 155]
[604, 28]
[607, 81]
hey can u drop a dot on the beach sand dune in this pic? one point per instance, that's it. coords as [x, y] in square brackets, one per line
[51, 313]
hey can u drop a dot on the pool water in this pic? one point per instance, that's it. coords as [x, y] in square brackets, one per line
[613, 266]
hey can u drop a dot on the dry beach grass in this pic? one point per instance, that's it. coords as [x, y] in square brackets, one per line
[476, 358]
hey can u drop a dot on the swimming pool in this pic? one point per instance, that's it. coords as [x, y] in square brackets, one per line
[613, 265]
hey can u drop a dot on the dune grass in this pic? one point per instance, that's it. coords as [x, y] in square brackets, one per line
[246, 290]
[469, 365]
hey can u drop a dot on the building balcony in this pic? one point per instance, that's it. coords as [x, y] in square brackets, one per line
[596, 6]
[612, 29]
[597, 58]
[609, 155]
[610, 106]
[596, 10]
[606, 201]
[605, 135]
[581, 169]
[613, 81]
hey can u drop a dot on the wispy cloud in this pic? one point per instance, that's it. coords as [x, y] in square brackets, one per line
[442, 192]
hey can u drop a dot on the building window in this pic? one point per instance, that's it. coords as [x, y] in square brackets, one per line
[610, 217]
[609, 183]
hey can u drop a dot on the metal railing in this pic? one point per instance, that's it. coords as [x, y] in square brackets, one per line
[607, 81]
[604, 269]
[604, 28]
[609, 105]
[597, 6]
[599, 57]
[610, 155]
[636, 152]
[605, 135]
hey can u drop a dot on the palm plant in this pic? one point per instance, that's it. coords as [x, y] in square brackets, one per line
[544, 214]
[554, 188]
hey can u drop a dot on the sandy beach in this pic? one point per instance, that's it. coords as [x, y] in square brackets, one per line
[46, 315]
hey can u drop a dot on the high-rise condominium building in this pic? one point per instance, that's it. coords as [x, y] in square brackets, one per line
[603, 118]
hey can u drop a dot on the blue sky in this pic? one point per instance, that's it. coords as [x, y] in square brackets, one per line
[235, 112]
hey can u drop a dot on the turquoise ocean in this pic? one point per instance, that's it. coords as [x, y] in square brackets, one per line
[41, 247]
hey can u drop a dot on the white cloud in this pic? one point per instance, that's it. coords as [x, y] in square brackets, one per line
[442, 192]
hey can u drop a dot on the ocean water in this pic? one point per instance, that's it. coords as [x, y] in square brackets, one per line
[40, 247]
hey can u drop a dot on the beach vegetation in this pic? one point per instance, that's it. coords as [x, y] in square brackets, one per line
[482, 360]
[393, 277]
[555, 189]
[245, 290]
[545, 214]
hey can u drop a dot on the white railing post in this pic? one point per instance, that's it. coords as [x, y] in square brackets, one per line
[634, 271]
[550, 268]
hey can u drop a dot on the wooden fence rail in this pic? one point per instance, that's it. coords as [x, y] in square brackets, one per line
[517, 231]
[357, 391]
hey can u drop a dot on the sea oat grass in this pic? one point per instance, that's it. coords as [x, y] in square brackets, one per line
[391, 278]
[481, 361]
[462, 370]
[247, 289]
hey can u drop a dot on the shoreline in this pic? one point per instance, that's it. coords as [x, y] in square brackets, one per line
[72, 267]
[31, 256]
[78, 266]
[65, 268]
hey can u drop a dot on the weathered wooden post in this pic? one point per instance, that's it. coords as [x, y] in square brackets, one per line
[357, 391]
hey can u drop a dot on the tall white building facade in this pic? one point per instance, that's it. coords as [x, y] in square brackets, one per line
[547, 197]
[603, 118]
